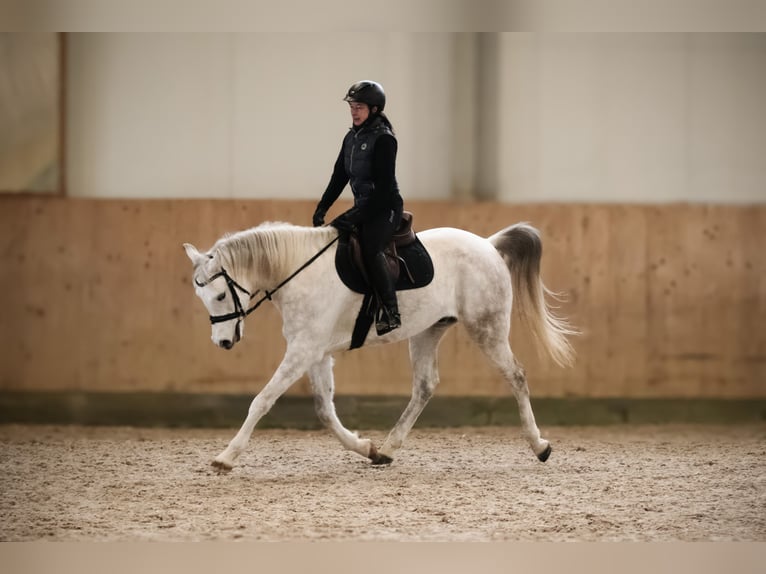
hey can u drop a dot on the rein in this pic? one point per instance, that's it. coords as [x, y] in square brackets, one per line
[239, 312]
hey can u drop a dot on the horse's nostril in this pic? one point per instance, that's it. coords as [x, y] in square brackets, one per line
[226, 344]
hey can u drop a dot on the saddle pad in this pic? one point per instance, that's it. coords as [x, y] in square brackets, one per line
[415, 256]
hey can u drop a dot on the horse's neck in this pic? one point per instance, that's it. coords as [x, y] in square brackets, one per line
[276, 253]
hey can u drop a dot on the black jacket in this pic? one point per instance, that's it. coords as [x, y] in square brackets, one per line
[367, 160]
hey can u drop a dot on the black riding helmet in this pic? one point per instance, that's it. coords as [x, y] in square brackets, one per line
[367, 92]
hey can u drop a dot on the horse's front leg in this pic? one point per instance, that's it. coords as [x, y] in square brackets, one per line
[294, 364]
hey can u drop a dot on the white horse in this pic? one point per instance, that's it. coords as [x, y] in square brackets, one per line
[474, 281]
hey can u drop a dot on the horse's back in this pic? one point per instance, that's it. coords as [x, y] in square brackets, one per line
[460, 255]
[458, 243]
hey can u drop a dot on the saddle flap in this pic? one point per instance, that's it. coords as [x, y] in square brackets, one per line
[403, 236]
[356, 256]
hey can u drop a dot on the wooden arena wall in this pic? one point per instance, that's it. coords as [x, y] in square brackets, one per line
[671, 301]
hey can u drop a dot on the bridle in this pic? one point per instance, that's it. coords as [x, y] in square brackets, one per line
[239, 312]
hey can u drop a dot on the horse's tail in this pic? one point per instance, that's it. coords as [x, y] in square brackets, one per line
[522, 249]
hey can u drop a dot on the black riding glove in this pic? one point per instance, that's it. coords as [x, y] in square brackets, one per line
[318, 219]
[346, 221]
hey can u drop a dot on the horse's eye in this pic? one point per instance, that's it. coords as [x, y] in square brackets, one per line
[221, 297]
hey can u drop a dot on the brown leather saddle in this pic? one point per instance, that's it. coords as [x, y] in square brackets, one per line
[402, 237]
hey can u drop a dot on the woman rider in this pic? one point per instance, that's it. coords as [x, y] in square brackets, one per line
[367, 160]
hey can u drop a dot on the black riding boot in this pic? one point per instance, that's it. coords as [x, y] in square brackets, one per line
[388, 317]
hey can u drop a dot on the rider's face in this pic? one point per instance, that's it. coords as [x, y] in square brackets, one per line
[359, 112]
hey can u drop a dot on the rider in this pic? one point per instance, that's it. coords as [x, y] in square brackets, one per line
[367, 160]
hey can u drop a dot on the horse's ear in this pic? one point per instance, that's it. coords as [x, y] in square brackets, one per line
[195, 256]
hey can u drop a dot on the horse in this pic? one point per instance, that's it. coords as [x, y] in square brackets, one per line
[474, 283]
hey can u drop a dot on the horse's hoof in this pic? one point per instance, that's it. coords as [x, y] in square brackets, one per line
[543, 456]
[377, 458]
[381, 460]
[221, 466]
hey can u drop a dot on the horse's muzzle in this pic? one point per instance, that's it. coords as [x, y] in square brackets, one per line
[229, 343]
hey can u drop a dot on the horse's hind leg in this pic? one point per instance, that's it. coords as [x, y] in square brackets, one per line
[323, 386]
[491, 334]
[425, 379]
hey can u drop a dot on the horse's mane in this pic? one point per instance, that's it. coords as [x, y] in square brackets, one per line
[272, 250]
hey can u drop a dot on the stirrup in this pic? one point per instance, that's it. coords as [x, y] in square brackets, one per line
[387, 321]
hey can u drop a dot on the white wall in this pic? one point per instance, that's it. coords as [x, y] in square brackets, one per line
[632, 117]
[245, 115]
[526, 117]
